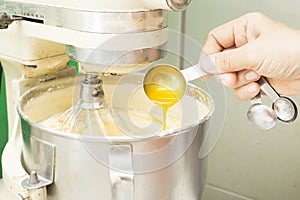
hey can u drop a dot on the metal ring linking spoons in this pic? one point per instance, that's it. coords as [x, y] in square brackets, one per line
[264, 117]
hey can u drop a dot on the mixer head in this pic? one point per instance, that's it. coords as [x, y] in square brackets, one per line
[114, 36]
[135, 40]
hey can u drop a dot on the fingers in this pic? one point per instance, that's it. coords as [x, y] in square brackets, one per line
[231, 60]
[246, 87]
[228, 45]
[243, 83]
[247, 92]
[224, 37]
[235, 33]
[229, 79]
[285, 87]
[231, 34]
[233, 49]
[239, 79]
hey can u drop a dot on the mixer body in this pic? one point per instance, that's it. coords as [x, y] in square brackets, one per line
[109, 36]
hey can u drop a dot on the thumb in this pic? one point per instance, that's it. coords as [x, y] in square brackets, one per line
[231, 60]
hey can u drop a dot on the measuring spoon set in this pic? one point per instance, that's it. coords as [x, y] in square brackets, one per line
[259, 114]
[265, 117]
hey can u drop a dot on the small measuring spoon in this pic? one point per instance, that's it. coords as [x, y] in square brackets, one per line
[172, 78]
[286, 110]
[261, 116]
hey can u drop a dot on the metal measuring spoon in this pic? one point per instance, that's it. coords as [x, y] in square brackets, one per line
[261, 116]
[285, 108]
[172, 78]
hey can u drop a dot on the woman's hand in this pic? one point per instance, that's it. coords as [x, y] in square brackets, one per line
[253, 46]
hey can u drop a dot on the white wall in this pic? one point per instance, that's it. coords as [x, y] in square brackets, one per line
[247, 163]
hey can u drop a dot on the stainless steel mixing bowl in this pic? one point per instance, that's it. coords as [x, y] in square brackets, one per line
[117, 167]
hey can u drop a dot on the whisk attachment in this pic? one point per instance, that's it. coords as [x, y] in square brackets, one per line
[90, 115]
[91, 92]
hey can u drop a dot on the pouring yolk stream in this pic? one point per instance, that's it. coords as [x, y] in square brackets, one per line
[161, 96]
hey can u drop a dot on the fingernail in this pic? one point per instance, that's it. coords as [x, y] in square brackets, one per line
[251, 75]
[226, 79]
[252, 88]
[208, 65]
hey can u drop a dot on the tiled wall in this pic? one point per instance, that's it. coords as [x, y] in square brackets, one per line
[247, 163]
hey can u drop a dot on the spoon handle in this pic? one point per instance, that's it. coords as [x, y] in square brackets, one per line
[268, 89]
[256, 99]
[193, 72]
